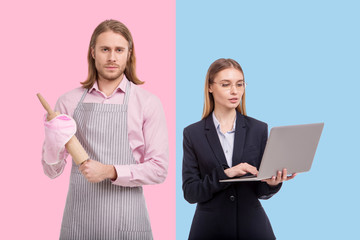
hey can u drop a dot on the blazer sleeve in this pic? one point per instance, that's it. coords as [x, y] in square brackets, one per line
[264, 190]
[199, 188]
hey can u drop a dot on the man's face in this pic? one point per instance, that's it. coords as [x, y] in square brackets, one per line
[111, 53]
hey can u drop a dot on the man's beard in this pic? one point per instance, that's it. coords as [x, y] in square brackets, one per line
[111, 76]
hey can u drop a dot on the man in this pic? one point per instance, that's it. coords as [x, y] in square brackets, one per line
[123, 129]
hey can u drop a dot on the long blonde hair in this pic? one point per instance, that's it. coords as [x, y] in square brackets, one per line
[214, 68]
[130, 69]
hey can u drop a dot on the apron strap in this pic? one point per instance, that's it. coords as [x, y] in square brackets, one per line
[83, 96]
[127, 93]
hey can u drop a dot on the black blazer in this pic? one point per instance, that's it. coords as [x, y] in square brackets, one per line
[225, 210]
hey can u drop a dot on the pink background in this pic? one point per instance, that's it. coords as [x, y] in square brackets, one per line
[43, 49]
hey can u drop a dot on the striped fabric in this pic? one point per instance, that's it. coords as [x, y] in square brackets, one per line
[103, 210]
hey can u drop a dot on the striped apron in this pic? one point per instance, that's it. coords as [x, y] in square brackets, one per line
[104, 210]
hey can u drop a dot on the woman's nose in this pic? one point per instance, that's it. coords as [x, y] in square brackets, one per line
[233, 89]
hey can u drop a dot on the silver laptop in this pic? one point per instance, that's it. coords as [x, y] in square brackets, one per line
[291, 147]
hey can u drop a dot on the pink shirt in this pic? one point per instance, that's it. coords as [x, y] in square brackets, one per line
[147, 131]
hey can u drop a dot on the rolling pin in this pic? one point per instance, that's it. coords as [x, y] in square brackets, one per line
[73, 146]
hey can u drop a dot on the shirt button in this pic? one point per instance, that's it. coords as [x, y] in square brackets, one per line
[232, 198]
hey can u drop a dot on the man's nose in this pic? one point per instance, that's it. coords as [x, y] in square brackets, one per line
[111, 56]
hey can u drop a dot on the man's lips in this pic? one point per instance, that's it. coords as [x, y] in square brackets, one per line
[111, 67]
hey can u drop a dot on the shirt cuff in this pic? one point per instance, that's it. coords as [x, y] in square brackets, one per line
[123, 175]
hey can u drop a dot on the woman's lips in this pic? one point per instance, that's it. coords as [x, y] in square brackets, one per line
[233, 100]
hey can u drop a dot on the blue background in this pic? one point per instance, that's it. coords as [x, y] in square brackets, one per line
[301, 61]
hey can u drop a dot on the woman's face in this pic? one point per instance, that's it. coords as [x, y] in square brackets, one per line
[227, 88]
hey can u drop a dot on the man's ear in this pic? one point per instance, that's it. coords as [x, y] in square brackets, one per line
[93, 53]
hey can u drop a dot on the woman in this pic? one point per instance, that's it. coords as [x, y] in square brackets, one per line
[227, 143]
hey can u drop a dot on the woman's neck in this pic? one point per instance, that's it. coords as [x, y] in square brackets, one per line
[226, 118]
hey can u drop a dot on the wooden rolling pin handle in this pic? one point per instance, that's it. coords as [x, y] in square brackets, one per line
[45, 104]
[78, 153]
[51, 113]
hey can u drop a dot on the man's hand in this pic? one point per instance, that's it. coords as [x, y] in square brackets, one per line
[280, 177]
[95, 171]
[49, 117]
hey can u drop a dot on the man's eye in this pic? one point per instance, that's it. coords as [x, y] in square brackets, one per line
[105, 49]
[119, 50]
[225, 84]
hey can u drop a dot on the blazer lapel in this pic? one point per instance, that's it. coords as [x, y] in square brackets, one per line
[213, 140]
[239, 141]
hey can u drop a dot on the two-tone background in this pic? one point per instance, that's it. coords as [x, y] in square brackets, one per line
[300, 59]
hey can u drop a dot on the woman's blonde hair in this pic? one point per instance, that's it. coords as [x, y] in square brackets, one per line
[214, 68]
[130, 69]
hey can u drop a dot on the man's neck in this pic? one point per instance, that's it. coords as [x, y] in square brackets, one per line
[109, 86]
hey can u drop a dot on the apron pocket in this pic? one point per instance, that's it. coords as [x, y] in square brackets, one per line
[134, 216]
[135, 235]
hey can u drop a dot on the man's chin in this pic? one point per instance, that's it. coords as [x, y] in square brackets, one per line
[111, 77]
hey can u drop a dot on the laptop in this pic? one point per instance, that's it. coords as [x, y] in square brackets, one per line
[291, 147]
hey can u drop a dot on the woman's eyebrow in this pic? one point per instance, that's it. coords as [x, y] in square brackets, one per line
[227, 80]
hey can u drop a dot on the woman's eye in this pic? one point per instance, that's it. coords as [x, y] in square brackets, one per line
[225, 84]
[240, 84]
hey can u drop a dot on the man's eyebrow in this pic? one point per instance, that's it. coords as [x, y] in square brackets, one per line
[110, 47]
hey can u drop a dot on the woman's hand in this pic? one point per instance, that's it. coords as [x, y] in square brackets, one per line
[95, 171]
[240, 170]
[280, 177]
